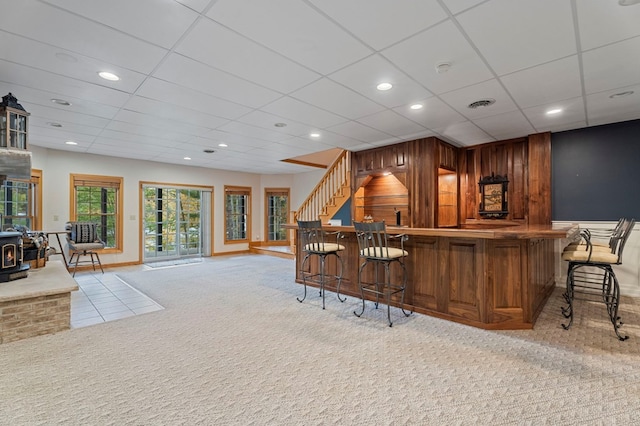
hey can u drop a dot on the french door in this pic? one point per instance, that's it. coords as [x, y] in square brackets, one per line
[173, 222]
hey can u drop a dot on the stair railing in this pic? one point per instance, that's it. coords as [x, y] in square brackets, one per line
[335, 181]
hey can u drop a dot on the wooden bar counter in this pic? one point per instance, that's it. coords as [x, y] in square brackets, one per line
[498, 278]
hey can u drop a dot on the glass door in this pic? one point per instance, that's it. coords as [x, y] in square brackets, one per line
[172, 223]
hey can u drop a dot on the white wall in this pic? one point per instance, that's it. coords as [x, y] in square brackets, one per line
[628, 273]
[57, 165]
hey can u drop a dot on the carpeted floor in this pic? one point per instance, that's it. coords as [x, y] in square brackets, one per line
[234, 347]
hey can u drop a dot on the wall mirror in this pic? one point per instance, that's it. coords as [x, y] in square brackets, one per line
[493, 196]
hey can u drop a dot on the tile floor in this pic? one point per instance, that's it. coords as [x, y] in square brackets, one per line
[104, 297]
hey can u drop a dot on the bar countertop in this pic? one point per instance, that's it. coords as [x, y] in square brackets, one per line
[499, 232]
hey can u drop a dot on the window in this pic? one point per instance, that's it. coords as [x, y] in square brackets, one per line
[21, 202]
[99, 199]
[277, 211]
[237, 216]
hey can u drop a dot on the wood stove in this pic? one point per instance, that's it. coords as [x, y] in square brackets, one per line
[11, 264]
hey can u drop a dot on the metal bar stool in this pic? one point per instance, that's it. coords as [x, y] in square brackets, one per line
[315, 243]
[590, 268]
[373, 243]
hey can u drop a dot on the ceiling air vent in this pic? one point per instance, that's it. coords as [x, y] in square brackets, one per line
[481, 103]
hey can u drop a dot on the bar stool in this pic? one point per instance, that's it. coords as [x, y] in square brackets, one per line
[315, 243]
[590, 268]
[375, 250]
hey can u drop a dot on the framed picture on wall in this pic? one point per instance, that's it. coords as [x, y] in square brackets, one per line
[493, 196]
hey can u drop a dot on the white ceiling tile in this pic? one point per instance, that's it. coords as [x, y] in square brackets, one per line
[365, 75]
[603, 22]
[268, 121]
[391, 123]
[360, 132]
[46, 113]
[501, 29]
[41, 22]
[612, 66]
[573, 111]
[336, 98]
[254, 132]
[457, 6]
[465, 134]
[173, 112]
[234, 140]
[466, 66]
[194, 75]
[221, 48]
[378, 25]
[506, 126]
[460, 100]
[159, 22]
[31, 98]
[197, 5]
[73, 65]
[602, 108]
[134, 132]
[293, 29]
[434, 113]
[37, 134]
[289, 108]
[170, 126]
[68, 128]
[192, 99]
[190, 82]
[331, 140]
[43, 80]
[545, 83]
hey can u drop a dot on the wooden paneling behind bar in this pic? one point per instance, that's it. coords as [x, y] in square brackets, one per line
[525, 162]
[419, 163]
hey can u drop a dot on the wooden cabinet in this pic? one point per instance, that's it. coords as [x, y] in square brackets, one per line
[389, 159]
[448, 156]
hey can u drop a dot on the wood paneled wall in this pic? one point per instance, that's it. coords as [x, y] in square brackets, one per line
[525, 161]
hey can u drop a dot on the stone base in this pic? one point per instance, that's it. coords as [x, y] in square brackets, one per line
[39, 304]
[34, 316]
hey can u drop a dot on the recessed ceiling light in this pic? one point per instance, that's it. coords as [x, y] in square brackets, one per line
[443, 67]
[108, 76]
[223, 145]
[314, 135]
[71, 143]
[187, 158]
[416, 106]
[384, 86]
[280, 124]
[61, 102]
[554, 111]
[621, 94]
[54, 124]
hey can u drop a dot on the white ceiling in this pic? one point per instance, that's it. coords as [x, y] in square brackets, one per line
[196, 73]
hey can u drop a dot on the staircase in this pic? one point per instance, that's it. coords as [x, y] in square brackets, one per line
[330, 194]
[324, 201]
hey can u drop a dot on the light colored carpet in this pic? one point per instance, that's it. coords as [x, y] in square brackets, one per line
[234, 347]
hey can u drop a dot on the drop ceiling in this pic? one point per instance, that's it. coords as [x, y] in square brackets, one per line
[195, 74]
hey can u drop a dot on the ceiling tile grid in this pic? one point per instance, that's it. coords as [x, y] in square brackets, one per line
[198, 73]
